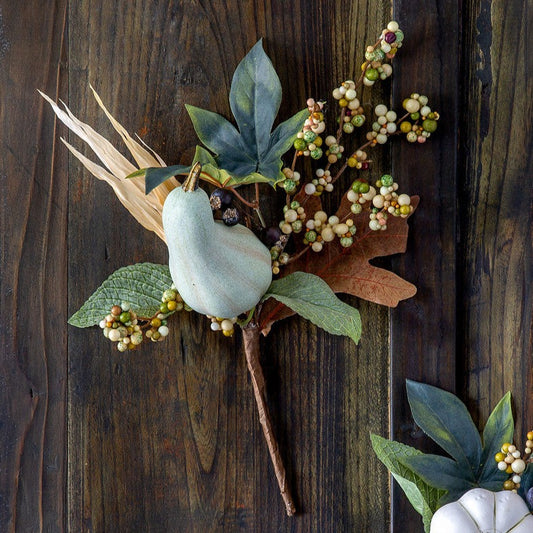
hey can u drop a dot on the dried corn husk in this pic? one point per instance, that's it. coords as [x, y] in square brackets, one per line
[146, 209]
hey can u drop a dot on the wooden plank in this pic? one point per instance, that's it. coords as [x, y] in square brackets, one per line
[167, 438]
[495, 261]
[423, 338]
[33, 280]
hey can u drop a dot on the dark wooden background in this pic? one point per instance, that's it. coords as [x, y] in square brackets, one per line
[167, 439]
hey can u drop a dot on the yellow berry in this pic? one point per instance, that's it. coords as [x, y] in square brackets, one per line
[508, 485]
[405, 127]
[343, 102]
[499, 457]
[505, 447]
[529, 435]
[509, 470]
[352, 162]
[227, 333]
[172, 304]
[155, 322]
[318, 141]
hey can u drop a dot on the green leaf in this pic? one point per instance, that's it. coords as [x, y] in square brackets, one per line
[202, 156]
[439, 472]
[156, 175]
[422, 496]
[141, 285]
[222, 138]
[285, 133]
[219, 176]
[311, 297]
[443, 417]
[526, 484]
[498, 429]
[255, 98]
[136, 174]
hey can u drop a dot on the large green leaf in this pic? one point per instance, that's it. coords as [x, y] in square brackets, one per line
[141, 285]
[423, 497]
[255, 98]
[498, 429]
[311, 297]
[222, 138]
[439, 472]
[443, 417]
[154, 176]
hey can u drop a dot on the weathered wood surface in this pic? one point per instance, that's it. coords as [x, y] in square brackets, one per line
[167, 438]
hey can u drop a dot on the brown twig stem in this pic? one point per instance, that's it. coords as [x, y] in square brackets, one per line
[251, 334]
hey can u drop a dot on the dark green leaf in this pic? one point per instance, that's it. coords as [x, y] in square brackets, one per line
[157, 175]
[526, 484]
[439, 472]
[254, 98]
[219, 176]
[203, 157]
[443, 417]
[222, 138]
[285, 133]
[142, 285]
[422, 496]
[311, 297]
[498, 429]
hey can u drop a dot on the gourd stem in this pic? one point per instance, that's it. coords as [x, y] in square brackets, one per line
[251, 335]
[191, 182]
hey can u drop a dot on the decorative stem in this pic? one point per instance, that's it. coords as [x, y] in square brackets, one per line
[251, 335]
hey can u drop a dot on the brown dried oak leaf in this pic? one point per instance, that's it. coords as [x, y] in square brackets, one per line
[348, 270]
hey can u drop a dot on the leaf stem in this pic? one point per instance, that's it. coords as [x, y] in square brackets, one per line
[251, 335]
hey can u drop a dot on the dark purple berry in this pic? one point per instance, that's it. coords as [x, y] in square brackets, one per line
[220, 199]
[271, 236]
[529, 498]
[231, 216]
[390, 37]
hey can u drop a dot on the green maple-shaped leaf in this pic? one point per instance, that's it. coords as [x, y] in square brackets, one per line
[251, 148]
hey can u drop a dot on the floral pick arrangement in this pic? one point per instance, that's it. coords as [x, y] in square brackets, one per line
[456, 494]
[226, 259]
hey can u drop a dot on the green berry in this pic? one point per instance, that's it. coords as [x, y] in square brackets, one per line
[311, 236]
[348, 127]
[124, 317]
[316, 153]
[346, 242]
[429, 125]
[387, 180]
[299, 144]
[358, 120]
[372, 74]
[289, 186]
[164, 308]
[309, 136]
[415, 116]
[295, 204]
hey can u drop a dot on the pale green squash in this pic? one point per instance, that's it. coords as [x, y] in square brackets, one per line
[218, 270]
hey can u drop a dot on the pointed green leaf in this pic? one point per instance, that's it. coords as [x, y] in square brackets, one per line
[422, 496]
[154, 176]
[222, 138]
[137, 173]
[498, 429]
[443, 417]
[526, 485]
[141, 285]
[204, 157]
[439, 472]
[311, 297]
[285, 133]
[220, 176]
[255, 98]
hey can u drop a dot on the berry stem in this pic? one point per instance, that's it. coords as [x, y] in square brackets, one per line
[251, 334]
[252, 205]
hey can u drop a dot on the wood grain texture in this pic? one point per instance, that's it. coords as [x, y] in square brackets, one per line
[167, 438]
[495, 263]
[33, 272]
[423, 342]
